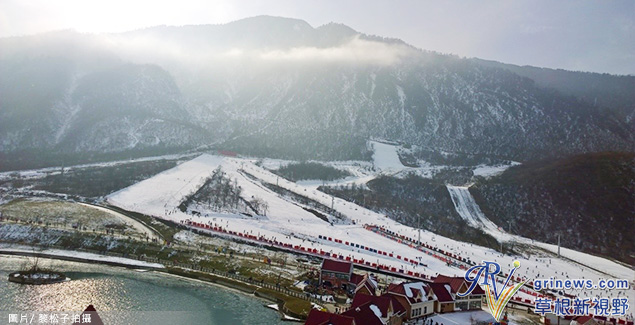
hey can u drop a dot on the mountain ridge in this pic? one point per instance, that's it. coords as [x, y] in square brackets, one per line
[280, 87]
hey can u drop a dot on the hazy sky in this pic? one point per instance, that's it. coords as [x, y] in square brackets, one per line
[585, 35]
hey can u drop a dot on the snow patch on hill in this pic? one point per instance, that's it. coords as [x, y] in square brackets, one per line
[489, 171]
[386, 157]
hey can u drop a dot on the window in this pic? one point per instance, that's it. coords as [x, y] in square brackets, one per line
[425, 309]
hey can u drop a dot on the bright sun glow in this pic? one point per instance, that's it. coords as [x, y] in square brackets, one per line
[119, 16]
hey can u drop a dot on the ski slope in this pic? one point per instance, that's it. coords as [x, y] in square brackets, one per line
[160, 196]
[287, 221]
[385, 157]
[467, 208]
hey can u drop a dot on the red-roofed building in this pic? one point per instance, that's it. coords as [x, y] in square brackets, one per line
[364, 315]
[444, 302]
[459, 285]
[399, 308]
[364, 284]
[317, 317]
[372, 310]
[416, 297]
[384, 304]
[336, 273]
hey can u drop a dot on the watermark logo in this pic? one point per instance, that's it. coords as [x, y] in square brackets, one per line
[486, 274]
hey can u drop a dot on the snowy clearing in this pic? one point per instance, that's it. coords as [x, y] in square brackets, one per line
[385, 157]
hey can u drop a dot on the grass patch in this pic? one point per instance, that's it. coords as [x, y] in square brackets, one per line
[295, 306]
[167, 229]
[63, 214]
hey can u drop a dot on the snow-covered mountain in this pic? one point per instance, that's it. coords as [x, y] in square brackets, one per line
[279, 87]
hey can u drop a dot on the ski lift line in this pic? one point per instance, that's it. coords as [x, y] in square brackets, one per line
[173, 196]
[282, 181]
[320, 197]
[264, 188]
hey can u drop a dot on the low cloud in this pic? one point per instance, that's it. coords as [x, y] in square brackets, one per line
[150, 49]
[357, 51]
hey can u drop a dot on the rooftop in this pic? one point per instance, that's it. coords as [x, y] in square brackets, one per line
[337, 266]
[442, 291]
[456, 283]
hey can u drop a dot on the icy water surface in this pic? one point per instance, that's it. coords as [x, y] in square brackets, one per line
[125, 296]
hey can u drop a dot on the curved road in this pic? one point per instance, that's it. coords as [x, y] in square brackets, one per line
[130, 221]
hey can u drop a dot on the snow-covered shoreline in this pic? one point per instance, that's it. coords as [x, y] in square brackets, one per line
[76, 256]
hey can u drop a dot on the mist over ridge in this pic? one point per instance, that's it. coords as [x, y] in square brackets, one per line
[280, 87]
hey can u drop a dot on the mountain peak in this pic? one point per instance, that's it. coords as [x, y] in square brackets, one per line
[338, 27]
[271, 22]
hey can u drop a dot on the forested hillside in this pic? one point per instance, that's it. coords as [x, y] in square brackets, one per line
[586, 199]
